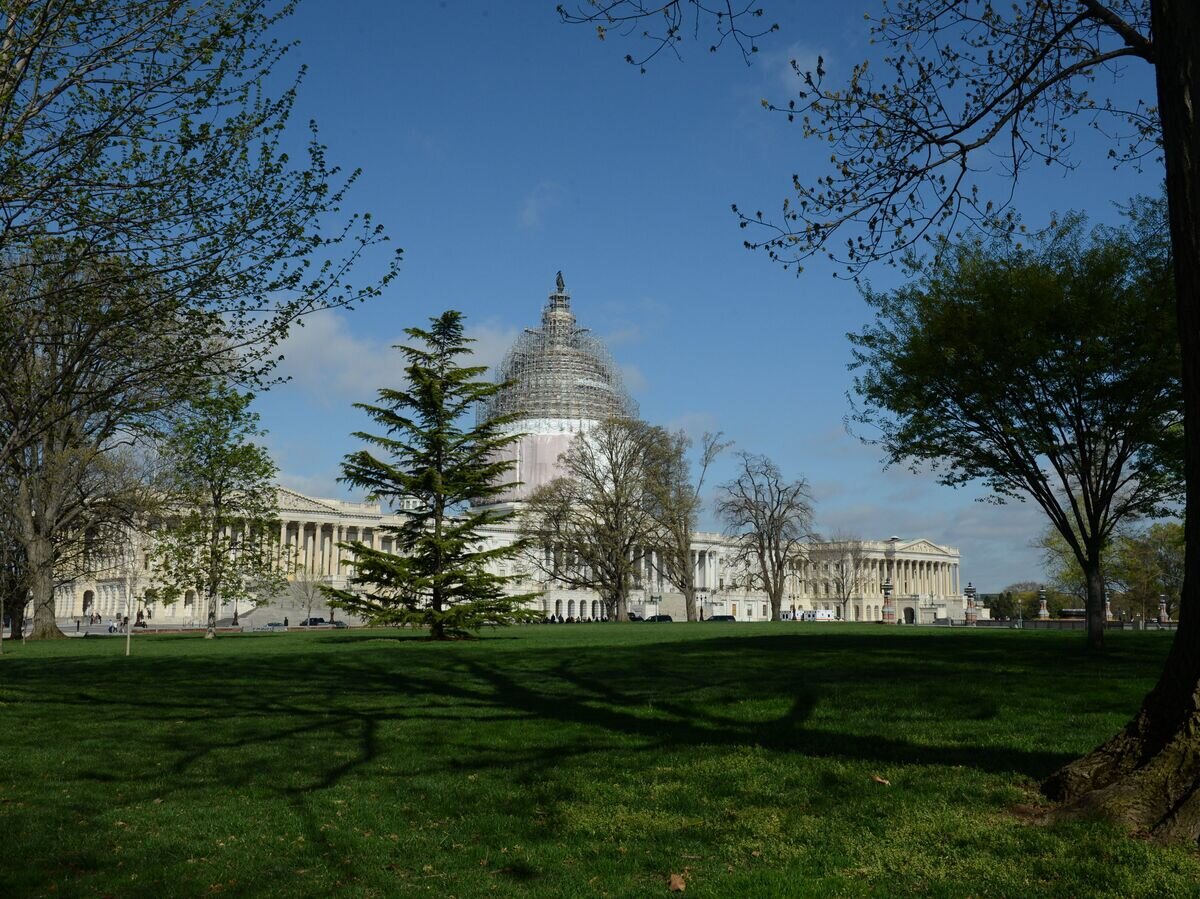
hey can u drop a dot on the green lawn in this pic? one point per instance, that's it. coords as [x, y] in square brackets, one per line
[567, 760]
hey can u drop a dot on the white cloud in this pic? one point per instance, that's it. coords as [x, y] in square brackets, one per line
[492, 341]
[334, 367]
[545, 197]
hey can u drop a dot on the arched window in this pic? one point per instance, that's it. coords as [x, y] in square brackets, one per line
[558, 608]
[571, 609]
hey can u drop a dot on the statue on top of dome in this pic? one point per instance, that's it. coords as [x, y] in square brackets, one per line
[559, 281]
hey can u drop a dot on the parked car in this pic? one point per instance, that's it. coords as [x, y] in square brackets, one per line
[660, 618]
[634, 616]
[271, 626]
[339, 624]
[313, 622]
[721, 618]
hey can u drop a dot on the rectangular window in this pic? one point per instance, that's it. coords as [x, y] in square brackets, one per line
[735, 610]
[764, 610]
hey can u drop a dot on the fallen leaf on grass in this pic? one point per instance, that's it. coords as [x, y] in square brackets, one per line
[881, 780]
[676, 884]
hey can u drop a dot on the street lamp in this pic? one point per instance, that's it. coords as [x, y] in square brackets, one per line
[971, 614]
[889, 610]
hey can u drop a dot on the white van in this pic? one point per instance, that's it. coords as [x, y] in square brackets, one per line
[818, 615]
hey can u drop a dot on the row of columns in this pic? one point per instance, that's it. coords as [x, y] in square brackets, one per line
[313, 546]
[908, 576]
[928, 578]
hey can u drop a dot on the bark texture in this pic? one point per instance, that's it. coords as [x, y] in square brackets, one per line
[1148, 775]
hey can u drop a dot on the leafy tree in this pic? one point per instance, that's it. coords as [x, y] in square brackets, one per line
[442, 575]
[675, 506]
[139, 131]
[590, 526]
[1148, 564]
[962, 80]
[771, 521]
[79, 466]
[220, 532]
[1062, 568]
[1002, 605]
[153, 228]
[1045, 370]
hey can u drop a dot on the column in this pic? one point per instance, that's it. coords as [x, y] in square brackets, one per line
[337, 552]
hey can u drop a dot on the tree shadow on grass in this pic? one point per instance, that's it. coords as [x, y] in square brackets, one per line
[672, 695]
[296, 723]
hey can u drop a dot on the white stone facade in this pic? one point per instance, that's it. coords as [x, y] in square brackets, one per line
[925, 576]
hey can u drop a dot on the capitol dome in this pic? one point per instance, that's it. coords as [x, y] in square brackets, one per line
[559, 372]
[560, 381]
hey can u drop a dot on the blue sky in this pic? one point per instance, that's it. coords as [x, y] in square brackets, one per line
[499, 146]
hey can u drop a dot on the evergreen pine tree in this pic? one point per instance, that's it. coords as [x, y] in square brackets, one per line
[441, 576]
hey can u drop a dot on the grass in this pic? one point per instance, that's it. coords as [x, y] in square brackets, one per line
[566, 761]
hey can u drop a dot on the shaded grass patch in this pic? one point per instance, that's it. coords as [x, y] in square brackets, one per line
[585, 760]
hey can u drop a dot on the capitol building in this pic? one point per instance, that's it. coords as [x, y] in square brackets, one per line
[561, 381]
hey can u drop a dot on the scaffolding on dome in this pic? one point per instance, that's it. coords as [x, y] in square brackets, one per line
[559, 371]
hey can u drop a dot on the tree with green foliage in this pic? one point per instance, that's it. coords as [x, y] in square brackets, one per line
[143, 131]
[1146, 565]
[81, 463]
[442, 575]
[1046, 369]
[1063, 572]
[154, 228]
[220, 529]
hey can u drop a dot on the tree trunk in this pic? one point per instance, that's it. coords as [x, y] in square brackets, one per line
[1148, 775]
[1095, 606]
[689, 602]
[40, 553]
[437, 627]
[210, 630]
[15, 608]
[776, 597]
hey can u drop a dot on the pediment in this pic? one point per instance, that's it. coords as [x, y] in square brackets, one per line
[291, 501]
[924, 546]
